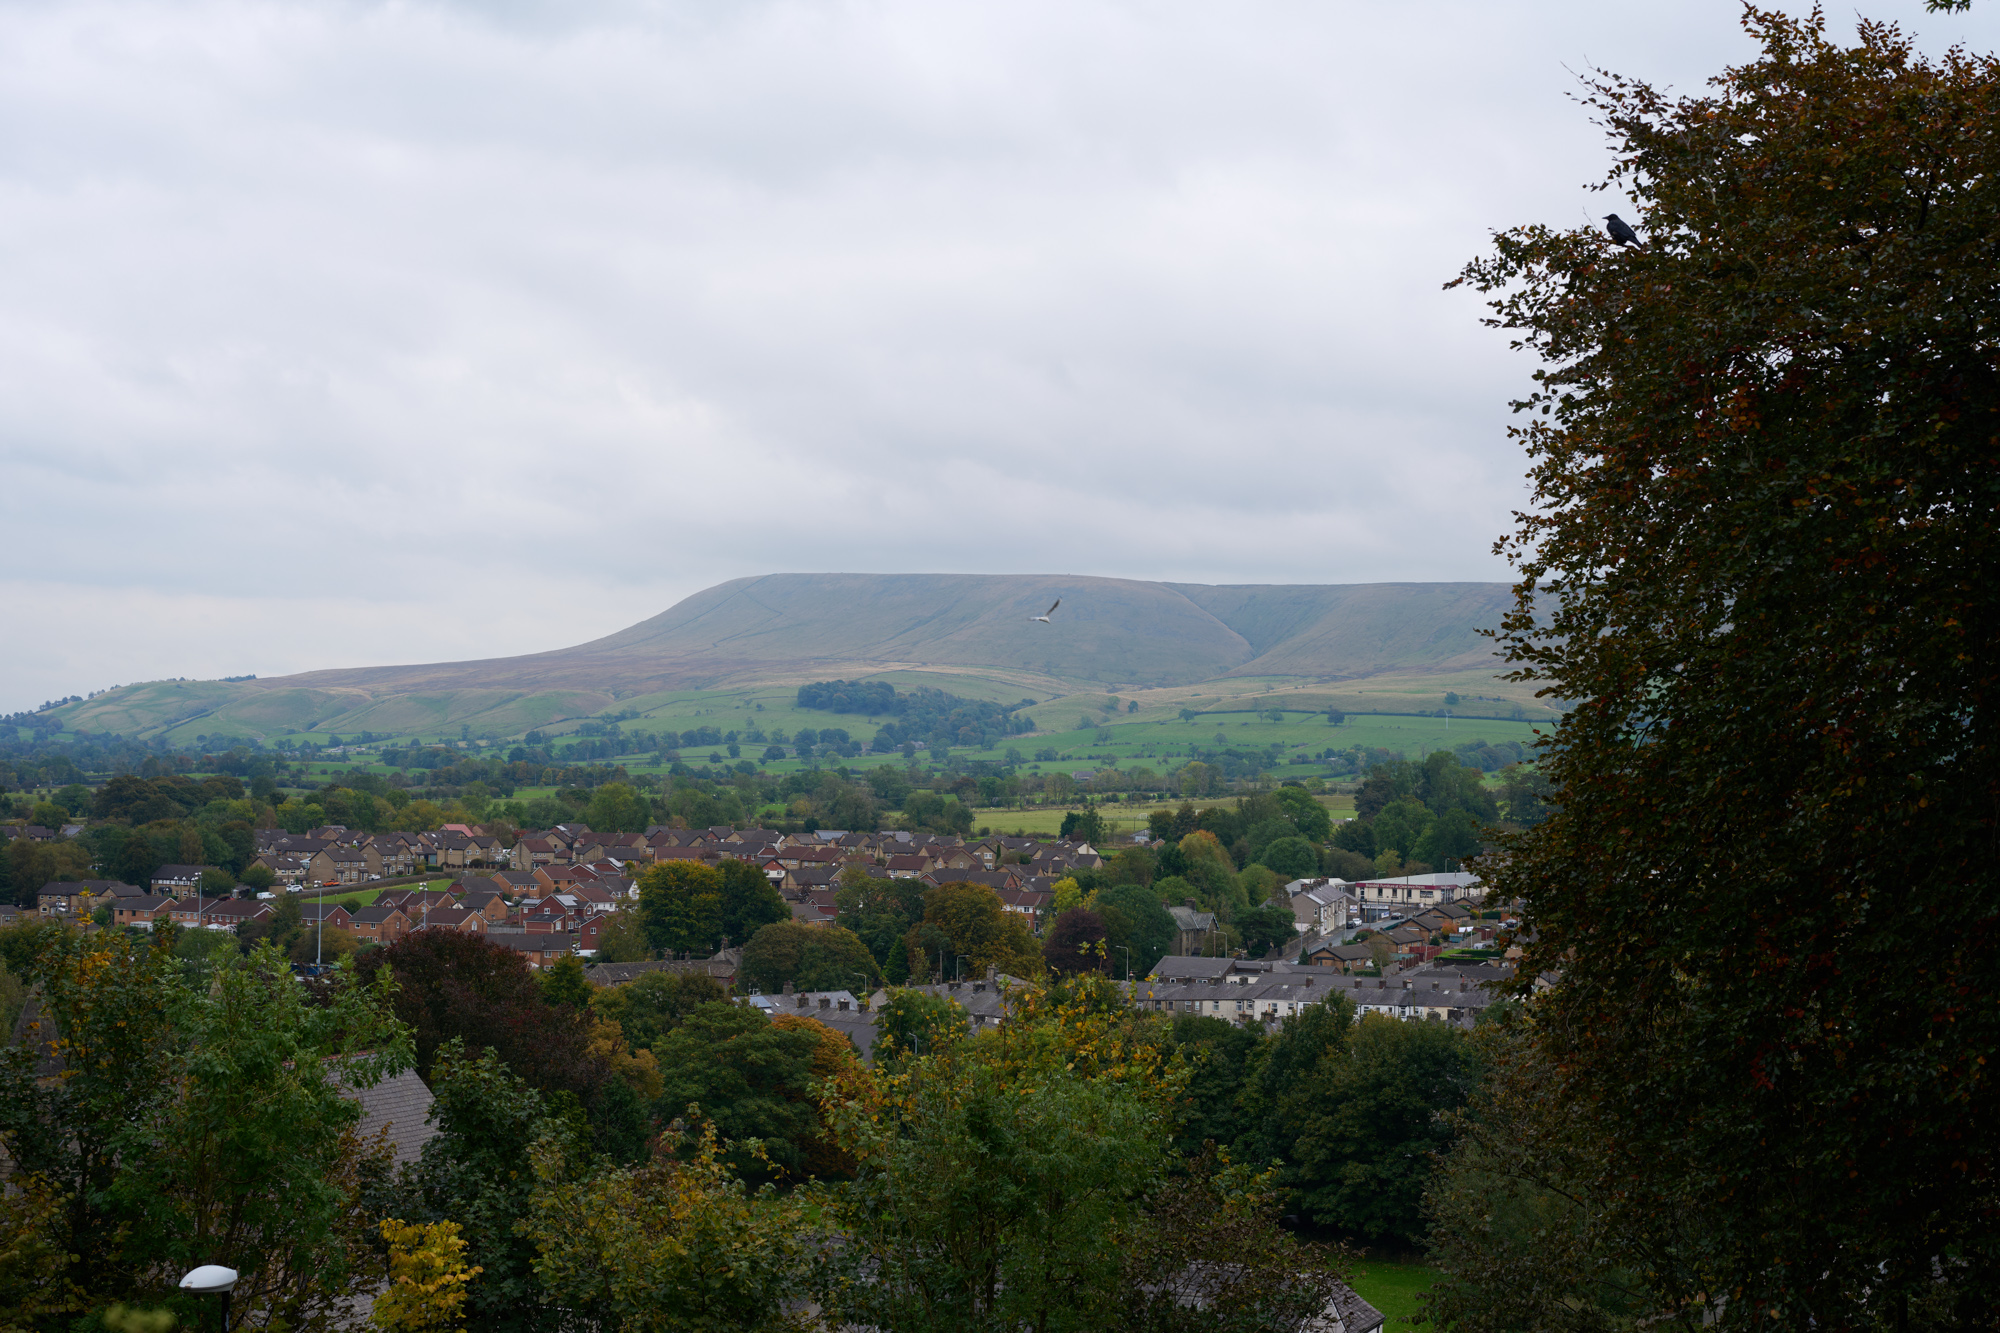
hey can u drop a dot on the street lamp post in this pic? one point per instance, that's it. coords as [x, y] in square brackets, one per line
[212, 1280]
[958, 971]
[1127, 950]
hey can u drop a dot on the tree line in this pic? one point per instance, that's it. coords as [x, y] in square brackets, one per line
[652, 1156]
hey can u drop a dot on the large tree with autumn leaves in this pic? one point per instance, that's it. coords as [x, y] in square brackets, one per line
[1765, 450]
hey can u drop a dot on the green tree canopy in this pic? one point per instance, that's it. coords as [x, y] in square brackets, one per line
[194, 1115]
[810, 957]
[1293, 858]
[617, 808]
[692, 908]
[1763, 451]
[654, 1003]
[1134, 920]
[975, 924]
[750, 1078]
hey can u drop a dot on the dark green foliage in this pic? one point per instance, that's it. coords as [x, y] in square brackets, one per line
[654, 1003]
[479, 1172]
[564, 983]
[1074, 942]
[1524, 794]
[689, 908]
[880, 912]
[193, 1116]
[912, 1022]
[1308, 816]
[1135, 920]
[1353, 1112]
[809, 957]
[928, 812]
[1765, 489]
[749, 901]
[1221, 1056]
[1292, 857]
[751, 1078]
[617, 808]
[917, 715]
[454, 987]
[1265, 928]
[1365, 1129]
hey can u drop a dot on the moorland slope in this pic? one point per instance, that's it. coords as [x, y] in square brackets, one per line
[786, 628]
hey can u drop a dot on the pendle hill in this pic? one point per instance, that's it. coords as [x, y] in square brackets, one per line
[1372, 647]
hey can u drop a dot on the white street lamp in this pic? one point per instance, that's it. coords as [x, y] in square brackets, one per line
[212, 1280]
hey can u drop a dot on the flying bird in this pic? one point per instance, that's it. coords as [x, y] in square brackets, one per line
[1619, 230]
[1044, 617]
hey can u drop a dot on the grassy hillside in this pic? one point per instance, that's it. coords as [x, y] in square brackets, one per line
[1363, 647]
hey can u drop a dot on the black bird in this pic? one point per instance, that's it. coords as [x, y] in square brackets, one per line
[1620, 230]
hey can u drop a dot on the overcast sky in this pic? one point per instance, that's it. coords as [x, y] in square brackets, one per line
[348, 333]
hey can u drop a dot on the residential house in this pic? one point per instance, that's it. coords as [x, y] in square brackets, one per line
[461, 919]
[92, 894]
[344, 865]
[1343, 958]
[591, 933]
[555, 876]
[538, 950]
[807, 879]
[383, 925]
[1007, 877]
[401, 854]
[58, 898]
[807, 912]
[319, 915]
[196, 910]
[1195, 931]
[230, 913]
[531, 852]
[486, 902]
[146, 912]
[1030, 903]
[513, 883]
[720, 969]
[397, 1109]
[456, 851]
[1321, 905]
[287, 871]
[171, 880]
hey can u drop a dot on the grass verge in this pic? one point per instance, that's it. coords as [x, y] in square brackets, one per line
[1392, 1288]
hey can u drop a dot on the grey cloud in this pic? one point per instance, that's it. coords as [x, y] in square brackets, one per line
[339, 333]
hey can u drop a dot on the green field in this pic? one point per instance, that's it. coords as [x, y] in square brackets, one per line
[1152, 738]
[1391, 1288]
[367, 897]
[721, 652]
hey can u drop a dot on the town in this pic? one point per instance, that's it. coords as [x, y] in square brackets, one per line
[1422, 946]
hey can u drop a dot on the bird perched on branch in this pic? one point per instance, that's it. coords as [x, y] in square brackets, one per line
[1619, 230]
[1044, 617]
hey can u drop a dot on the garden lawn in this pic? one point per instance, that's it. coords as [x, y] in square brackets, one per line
[1391, 1288]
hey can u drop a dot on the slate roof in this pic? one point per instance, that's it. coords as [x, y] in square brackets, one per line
[402, 1106]
[1355, 1314]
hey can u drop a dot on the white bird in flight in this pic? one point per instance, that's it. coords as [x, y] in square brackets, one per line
[1044, 617]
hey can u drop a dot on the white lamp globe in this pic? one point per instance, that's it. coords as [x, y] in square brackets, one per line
[209, 1279]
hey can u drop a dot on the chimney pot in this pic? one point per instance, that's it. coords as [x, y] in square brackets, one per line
[788, 988]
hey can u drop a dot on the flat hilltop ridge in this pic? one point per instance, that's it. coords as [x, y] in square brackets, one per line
[789, 628]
